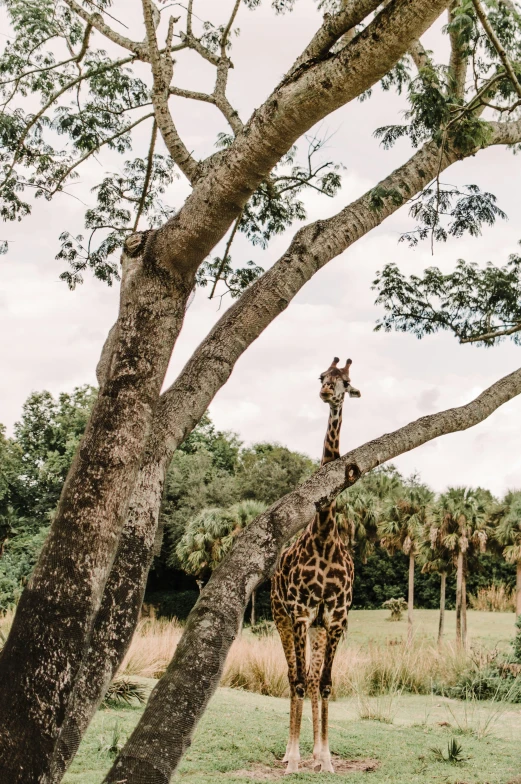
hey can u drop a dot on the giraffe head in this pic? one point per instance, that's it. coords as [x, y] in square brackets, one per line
[335, 383]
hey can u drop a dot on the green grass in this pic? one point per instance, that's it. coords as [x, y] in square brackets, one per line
[243, 733]
[485, 628]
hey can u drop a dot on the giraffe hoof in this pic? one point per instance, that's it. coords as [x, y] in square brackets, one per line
[326, 766]
[292, 767]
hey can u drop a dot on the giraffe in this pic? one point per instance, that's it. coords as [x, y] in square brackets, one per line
[311, 593]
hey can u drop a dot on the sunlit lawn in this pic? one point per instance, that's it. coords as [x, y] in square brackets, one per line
[485, 628]
[243, 735]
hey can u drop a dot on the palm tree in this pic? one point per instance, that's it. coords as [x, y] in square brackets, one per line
[357, 514]
[210, 535]
[508, 534]
[461, 518]
[435, 557]
[404, 519]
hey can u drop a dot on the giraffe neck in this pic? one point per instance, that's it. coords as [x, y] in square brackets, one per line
[332, 439]
[323, 526]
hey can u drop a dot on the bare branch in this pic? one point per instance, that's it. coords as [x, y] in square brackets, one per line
[225, 255]
[148, 174]
[498, 46]
[162, 73]
[300, 100]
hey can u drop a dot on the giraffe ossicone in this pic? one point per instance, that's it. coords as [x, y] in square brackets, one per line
[311, 593]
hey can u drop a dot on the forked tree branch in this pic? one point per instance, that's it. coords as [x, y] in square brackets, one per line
[96, 20]
[161, 65]
[179, 700]
[304, 97]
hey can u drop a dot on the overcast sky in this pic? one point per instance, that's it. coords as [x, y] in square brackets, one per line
[52, 338]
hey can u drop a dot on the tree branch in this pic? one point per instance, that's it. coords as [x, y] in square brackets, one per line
[419, 55]
[162, 73]
[301, 100]
[99, 24]
[498, 46]
[334, 27]
[179, 700]
[97, 149]
[148, 174]
[500, 333]
[458, 61]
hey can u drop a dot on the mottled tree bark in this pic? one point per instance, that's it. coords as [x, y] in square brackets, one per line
[156, 746]
[410, 599]
[441, 625]
[47, 642]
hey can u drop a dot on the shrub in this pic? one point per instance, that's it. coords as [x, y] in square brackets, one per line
[495, 598]
[263, 629]
[397, 608]
[123, 691]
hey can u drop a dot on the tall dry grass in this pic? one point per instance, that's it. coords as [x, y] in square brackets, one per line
[257, 664]
[495, 598]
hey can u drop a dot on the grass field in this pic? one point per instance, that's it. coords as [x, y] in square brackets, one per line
[485, 628]
[243, 734]
[242, 738]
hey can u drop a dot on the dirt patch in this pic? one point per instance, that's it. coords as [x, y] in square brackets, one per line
[277, 770]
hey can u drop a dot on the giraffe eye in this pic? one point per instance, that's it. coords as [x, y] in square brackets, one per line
[346, 384]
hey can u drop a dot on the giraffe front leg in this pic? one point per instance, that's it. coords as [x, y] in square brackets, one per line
[333, 638]
[298, 691]
[300, 630]
[285, 629]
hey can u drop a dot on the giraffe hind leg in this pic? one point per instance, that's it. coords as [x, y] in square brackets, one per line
[317, 636]
[333, 638]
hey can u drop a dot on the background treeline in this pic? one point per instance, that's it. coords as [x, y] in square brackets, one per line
[215, 487]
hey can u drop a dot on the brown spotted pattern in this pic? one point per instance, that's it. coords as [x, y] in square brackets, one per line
[311, 593]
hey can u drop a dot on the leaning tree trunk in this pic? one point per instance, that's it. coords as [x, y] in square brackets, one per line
[518, 589]
[156, 746]
[459, 585]
[441, 626]
[410, 599]
[45, 648]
